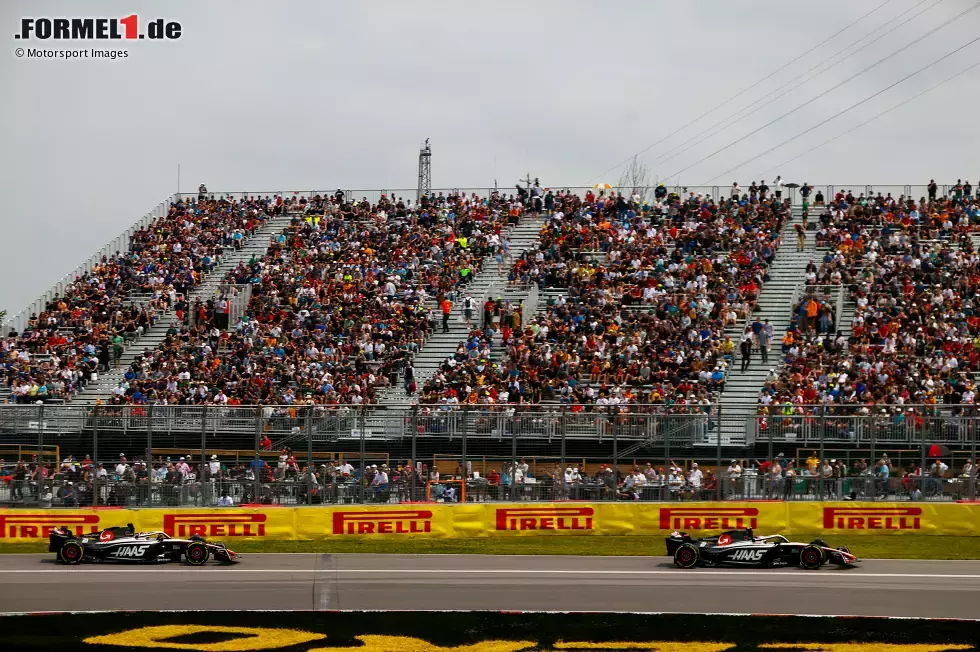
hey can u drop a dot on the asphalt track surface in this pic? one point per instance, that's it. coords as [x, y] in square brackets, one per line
[938, 589]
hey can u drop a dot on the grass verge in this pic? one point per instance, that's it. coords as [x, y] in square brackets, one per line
[478, 631]
[866, 547]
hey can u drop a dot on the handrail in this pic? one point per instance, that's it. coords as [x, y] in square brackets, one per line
[714, 191]
[839, 313]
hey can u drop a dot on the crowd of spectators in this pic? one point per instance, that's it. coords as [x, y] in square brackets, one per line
[84, 330]
[651, 287]
[341, 300]
[911, 271]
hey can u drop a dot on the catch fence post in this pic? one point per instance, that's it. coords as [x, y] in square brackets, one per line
[766, 483]
[513, 464]
[40, 452]
[923, 467]
[466, 421]
[667, 421]
[820, 479]
[149, 454]
[310, 468]
[257, 460]
[413, 474]
[972, 478]
[561, 428]
[201, 481]
[615, 431]
[95, 456]
[361, 475]
[718, 453]
[873, 489]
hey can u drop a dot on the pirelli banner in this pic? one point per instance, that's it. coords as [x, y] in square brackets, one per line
[499, 519]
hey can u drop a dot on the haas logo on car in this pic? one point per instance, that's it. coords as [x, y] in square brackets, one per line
[748, 555]
[130, 551]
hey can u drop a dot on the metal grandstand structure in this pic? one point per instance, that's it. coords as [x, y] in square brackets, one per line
[637, 426]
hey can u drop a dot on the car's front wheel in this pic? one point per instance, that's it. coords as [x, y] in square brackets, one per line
[811, 557]
[196, 553]
[687, 555]
[71, 552]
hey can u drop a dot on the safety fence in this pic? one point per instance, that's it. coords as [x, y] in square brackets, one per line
[317, 488]
[505, 453]
[677, 424]
[373, 195]
[497, 520]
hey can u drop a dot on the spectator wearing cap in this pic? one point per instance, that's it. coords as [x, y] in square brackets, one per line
[695, 477]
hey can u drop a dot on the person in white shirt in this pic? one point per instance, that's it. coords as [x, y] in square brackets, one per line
[937, 473]
[695, 476]
[572, 475]
[734, 474]
[214, 466]
[225, 500]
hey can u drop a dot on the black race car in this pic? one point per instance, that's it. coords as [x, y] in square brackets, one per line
[124, 544]
[741, 548]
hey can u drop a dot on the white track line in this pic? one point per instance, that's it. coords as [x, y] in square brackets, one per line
[508, 612]
[483, 571]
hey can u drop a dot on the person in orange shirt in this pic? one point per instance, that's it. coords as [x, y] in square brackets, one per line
[447, 309]
[787, 341]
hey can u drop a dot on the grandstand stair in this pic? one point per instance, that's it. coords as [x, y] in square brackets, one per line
[738, 403]
[488, 282]
[256, 246]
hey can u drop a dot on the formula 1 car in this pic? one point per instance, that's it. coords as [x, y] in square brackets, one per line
[741, 548]
[124, 544]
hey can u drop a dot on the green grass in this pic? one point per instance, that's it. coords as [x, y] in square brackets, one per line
[880, 547]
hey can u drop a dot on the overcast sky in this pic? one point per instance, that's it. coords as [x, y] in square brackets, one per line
[320, 95]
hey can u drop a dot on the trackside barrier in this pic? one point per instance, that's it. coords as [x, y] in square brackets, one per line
[499, 519]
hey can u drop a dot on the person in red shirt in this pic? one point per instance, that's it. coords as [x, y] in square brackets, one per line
[447, 308]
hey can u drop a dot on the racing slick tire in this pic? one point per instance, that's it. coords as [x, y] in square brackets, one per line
[71, 552]
[687, 555]
[196, 553]
[811, 557]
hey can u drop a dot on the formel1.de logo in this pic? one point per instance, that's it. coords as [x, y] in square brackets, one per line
[98, 29]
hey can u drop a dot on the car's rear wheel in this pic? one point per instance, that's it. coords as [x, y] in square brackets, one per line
[71, 552]
[811, 557]
[687, 555]
[196, 553]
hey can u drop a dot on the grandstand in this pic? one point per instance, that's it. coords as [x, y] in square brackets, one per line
[608, 328]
